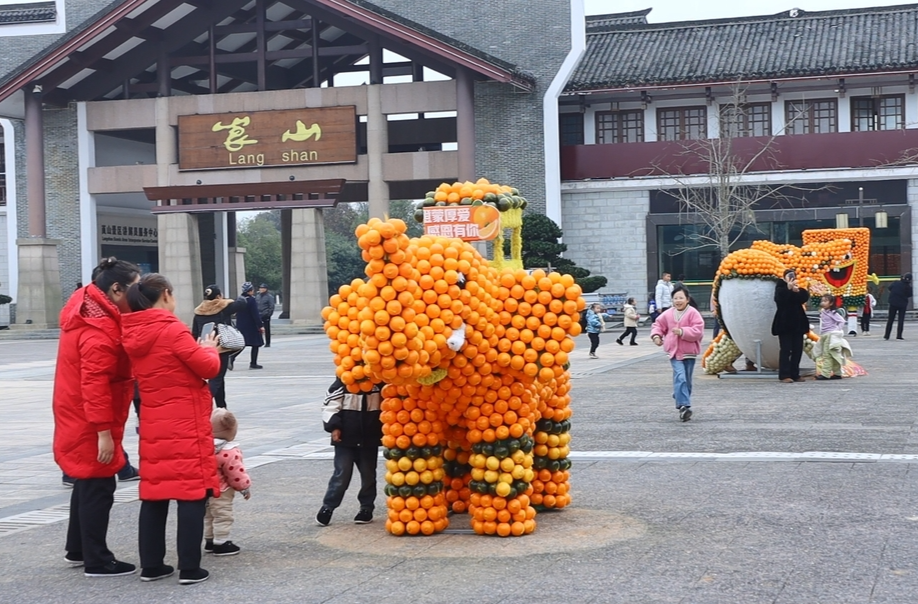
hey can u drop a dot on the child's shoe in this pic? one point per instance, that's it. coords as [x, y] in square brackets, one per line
[225, 549]
[364, 516]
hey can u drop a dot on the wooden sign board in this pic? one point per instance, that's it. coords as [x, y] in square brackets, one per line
[260, 139]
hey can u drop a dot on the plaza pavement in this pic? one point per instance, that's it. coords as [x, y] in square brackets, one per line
[777, 493]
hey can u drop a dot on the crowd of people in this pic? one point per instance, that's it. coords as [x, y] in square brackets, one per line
[121, 343]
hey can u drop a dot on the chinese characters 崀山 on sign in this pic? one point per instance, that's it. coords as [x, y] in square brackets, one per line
[325, 135]
[471, 223]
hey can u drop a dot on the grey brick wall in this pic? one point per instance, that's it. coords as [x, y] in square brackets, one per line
[606, 232]
[534, 36]
[62, 191]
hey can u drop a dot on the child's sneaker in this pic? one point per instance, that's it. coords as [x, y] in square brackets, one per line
[364, 516]
[324, 516]
[208, 546]
[155, 574]
[685, 413]
[225, 549]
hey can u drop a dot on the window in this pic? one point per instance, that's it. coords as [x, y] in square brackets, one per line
[811, 117]
[682, 123]
[571, 125]
[877, 113]
[753, 119]
[619, 127]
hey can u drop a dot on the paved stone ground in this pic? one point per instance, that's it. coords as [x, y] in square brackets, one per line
[640, 530]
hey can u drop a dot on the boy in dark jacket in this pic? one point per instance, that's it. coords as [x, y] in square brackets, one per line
[353, 420]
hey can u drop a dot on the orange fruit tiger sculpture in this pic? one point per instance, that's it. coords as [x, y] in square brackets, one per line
[476, 401]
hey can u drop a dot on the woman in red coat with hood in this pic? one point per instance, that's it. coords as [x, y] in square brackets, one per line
[93, 386]
[176, 438]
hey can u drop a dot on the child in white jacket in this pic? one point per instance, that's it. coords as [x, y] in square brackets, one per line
[233, 477]
[631, 323]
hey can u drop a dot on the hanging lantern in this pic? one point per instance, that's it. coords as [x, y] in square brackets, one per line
[880, 219]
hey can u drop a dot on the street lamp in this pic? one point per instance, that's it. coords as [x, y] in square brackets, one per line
[860, 205]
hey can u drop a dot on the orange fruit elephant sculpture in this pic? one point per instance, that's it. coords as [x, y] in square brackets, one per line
[476, 401]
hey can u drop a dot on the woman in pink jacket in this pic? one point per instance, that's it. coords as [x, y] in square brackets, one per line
[679, 331]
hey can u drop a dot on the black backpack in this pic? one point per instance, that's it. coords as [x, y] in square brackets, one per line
[583, 320]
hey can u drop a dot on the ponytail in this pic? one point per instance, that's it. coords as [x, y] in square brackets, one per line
[111, 271]
[144, 294]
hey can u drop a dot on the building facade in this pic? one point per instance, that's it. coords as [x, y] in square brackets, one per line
[814, 115]
[93, 104]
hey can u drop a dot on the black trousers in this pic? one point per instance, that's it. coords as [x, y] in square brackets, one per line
[266, 322]
[217, 384]
[865, 321]
[629, 330]
[345, 460]
[90, 505]
[594, 342]
[893, 311]
[152, 533]
[789, 356]
[254, 358]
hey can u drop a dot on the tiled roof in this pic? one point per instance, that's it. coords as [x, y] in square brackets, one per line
[790, 44]
[602, 23]
[40, 12]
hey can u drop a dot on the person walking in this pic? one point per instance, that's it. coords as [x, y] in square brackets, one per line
[663, 293]
[248, 322]
[356, 430]
[867, 313]
[176, 443]
[790, 325]
[93, 386]
[679, 331]
[218, 310]
[631, 323]
[595, 326]
[266, 303]
[899, 293]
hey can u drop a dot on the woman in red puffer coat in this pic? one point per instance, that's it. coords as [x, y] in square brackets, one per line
[93, 387]
[176, 439]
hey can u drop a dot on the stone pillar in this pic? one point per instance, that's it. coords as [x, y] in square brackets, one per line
[236, 272]
[465, 124]
[286, 226]
[180, 261]
[377, 146]
[39, 300]
[308, 268]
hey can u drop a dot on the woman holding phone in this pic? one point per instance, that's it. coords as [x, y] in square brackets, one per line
[790, 325]
[176, 442]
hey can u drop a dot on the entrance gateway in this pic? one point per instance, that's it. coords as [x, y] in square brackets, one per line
[190, 111]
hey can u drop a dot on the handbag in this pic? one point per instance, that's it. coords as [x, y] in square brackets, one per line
[229, 338]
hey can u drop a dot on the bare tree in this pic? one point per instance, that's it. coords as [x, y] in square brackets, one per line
[718, 199]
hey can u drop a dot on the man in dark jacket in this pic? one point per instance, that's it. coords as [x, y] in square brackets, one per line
[356, 430]
[899, 293]
[265, 301]
[790, 325]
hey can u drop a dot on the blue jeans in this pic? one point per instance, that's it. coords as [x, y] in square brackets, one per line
[682, 381]
[345, 460]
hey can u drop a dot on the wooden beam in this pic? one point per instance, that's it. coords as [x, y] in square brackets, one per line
[107, 44]
[138, 29]
[261, 44]
[146, 53]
